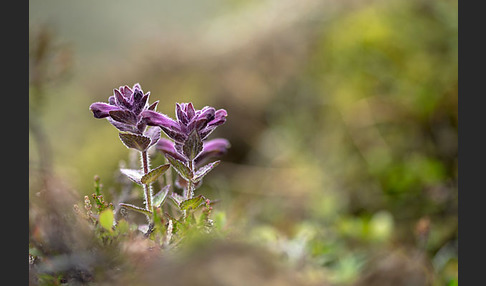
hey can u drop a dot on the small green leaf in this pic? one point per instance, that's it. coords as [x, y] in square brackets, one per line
[176, 198]
[189, 220]
[135, 208]
[180, 167]
[122, 226]
[176, 224]
[160, 197]
[139, 142]
[133, 175]
[193, 203]
[204, 170]
[159, 222]
[193, 145]
[97, 185]
[151, 176]
[106, 219]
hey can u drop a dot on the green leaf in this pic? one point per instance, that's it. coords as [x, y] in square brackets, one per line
[204, 170]
[176, 224]
[139, 142]
[193, 203]
[151, 176]
[135, 208]
[97, 185]
[106, 219]
[122, 226]
[176, 198]
[180, 167]
[159, 222]
[133, 175]
[193, 145]
[204, 219]
[189, 220]
[160, 197]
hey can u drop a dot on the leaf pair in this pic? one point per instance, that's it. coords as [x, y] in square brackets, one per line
[188, 204]
[193, 203]
[138, 177]
[158, 200]
[185, 172]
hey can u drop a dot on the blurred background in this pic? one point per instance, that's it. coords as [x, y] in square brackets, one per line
[342, 118]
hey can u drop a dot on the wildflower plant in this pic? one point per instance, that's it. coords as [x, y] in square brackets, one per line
[188, 133]
[187, 151]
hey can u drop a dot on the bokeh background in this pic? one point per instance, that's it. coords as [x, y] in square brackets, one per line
[342, 118]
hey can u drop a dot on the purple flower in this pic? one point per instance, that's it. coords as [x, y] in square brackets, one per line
[124, 109]
[204, 121]
[167, 147]
[190, 129]
[211, 149]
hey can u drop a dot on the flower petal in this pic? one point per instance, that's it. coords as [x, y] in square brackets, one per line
[126, 91]
[219, 118]
[121, 100]
[137, 95]
[167, 147]
[154, 134]
[153, 106]
[137, 86]
[123, 116]
[139, 104]
[181, 114]
[102, 110]
[201, 118]
[190, 110]
[153, 118]
[111, 100]
[212, 149]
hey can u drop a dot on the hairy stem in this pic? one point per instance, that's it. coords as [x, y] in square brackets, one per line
[147, 189]
[190, 184]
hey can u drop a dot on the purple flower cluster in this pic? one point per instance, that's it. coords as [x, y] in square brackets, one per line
[211, 149]
[189, 130]
[128, 110]
[125, 109]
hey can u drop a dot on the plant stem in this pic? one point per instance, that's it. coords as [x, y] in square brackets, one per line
[190, 184]
[145, 162]
[147, 189]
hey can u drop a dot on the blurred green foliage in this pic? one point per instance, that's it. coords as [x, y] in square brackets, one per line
[342, 118]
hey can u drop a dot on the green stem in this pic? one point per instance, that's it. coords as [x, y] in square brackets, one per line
[190, 184]
[147, 189]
